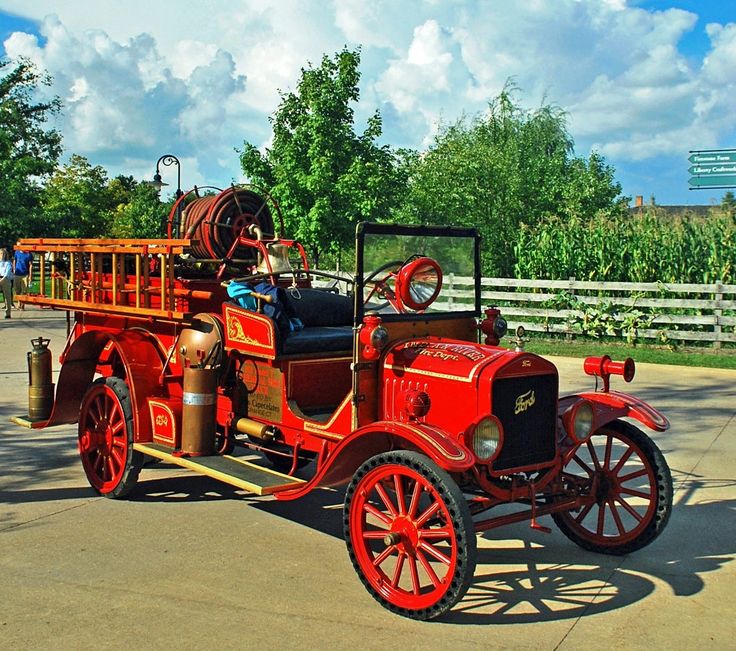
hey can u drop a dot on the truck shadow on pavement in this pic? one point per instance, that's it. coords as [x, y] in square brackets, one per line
[522, 576]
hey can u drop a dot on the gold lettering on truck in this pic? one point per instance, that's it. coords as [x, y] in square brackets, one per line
[524, 401]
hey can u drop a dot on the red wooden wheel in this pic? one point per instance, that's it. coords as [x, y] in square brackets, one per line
[409, 534]
[106, 438]
[630, 489]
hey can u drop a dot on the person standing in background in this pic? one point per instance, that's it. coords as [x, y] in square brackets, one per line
[22, 274]
[6, 279]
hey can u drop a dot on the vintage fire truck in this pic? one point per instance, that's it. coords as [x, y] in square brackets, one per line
[219, 349]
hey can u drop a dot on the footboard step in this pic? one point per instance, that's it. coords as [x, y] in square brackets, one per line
[227, 469]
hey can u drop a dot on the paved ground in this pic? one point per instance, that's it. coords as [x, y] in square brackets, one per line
[188, 563]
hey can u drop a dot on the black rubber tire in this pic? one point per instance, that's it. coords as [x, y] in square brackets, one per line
[130, 467]
[461, 523]
[657, 515]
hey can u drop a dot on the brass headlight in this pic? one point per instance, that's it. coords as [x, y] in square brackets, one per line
[582, 421]
[486, 438]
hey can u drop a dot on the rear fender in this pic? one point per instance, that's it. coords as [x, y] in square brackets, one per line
[383, 436]
[612, 405]
[142, 358]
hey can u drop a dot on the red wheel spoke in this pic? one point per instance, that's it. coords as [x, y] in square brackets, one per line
[586, 509]
[97, 465]
[375, 534]
[369, 508]
[95, 410]
[616, 517]
[583, 465]
[386, 500]
[633, 475]
[635, 493]
[415, 499]
[428, 513]
[118, 454]
[622, 461]
[436, 553]
[428, 569]
[630, 509]
[438, 533]
[397, 570]
[414, 575]
[609, 449]
[593, 454]
[383, 555]
[601, 525]
[400, 498]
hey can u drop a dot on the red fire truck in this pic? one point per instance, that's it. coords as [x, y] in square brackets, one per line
[219, 349]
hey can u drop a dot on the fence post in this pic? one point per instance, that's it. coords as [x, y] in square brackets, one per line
[571, 292]
[718, 313]
[451, 289]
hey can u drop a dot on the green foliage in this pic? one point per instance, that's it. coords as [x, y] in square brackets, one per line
[503, 170]
[28, 150]
[326, 177]
[76, 202]
[140, 215]
[728, 204]
[637, 248]
[602, 318]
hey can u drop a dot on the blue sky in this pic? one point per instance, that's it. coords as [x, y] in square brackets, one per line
[642, 81]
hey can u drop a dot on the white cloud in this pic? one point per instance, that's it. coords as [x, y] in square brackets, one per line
[197, 79]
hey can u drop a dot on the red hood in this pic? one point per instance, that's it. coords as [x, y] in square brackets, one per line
[448, 358]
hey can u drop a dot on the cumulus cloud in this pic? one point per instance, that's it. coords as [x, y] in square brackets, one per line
[140, 82]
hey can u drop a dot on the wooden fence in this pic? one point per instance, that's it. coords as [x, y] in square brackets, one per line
[663, 312]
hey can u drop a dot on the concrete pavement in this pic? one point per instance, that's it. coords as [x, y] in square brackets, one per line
[188, 563]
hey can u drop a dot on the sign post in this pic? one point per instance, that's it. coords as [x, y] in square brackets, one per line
[712, 169]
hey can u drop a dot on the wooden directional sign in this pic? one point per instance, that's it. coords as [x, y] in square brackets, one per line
[713, 157]
[713, 181]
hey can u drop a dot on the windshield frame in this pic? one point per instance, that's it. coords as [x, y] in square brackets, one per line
[368, 228]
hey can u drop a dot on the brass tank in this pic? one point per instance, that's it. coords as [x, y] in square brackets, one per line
[40, 386]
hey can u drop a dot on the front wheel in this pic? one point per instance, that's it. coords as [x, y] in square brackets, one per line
[629, 487]
[106, 438]
[409, 534]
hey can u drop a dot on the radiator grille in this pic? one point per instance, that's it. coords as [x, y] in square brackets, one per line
[527, 409]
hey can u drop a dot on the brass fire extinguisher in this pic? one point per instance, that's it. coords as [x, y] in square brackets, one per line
[198, 428]
[40, 386]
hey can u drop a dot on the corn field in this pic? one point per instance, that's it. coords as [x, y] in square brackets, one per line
[646, 248]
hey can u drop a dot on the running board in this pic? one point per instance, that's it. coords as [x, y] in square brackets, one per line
[230, 470]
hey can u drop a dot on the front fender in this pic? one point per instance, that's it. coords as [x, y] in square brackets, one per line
[141, 357]
[383, 436]
[611, 405]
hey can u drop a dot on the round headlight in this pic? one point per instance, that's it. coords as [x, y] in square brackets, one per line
[379, 338]
[500, 327]
[583, 421]
[486, 438]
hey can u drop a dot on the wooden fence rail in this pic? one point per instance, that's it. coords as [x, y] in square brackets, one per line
[661, 311]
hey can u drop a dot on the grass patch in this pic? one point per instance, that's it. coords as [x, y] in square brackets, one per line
[726, 358]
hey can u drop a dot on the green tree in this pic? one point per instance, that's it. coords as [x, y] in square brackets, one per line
[507, 168]
[142, 215]
[324, 175]
[75, 200]
[728, 204]
[28, 149]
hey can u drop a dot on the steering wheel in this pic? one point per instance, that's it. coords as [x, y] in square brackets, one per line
[378, 282]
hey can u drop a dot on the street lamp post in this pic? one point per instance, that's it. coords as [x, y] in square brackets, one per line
[168, 160]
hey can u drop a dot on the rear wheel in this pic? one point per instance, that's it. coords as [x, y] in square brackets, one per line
[409, 534]
[106, 438]
[630, 486]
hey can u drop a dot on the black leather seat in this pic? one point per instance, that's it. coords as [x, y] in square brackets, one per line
[320, 339]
